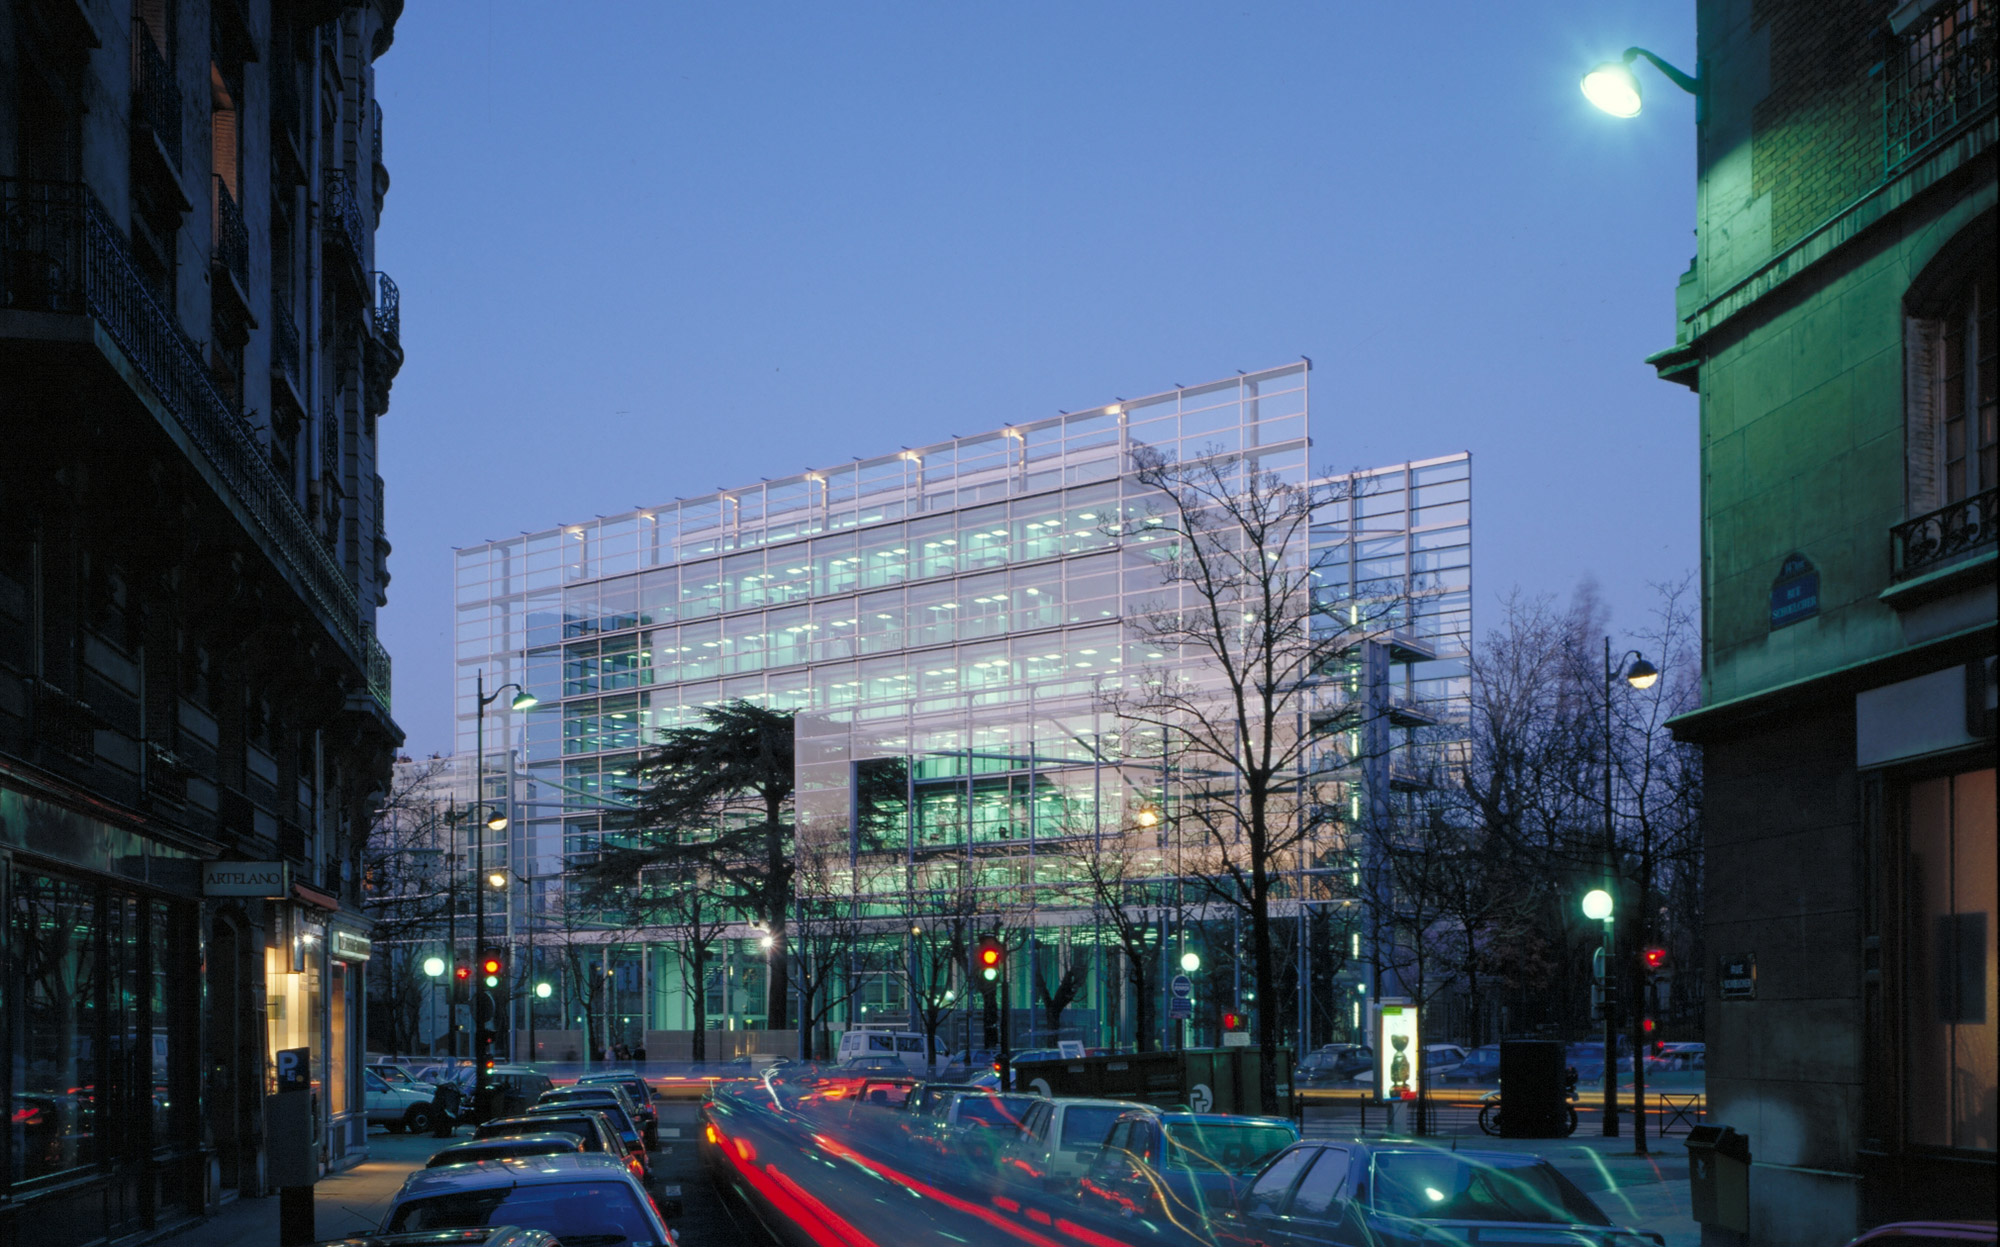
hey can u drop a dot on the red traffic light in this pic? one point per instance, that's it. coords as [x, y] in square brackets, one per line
[989, 956]
[492, 965]
[1647, 1026]
[1655, 958]
[462, 973]
[1232, 1021]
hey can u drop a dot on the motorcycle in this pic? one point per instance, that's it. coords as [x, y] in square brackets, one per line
[1489, 1110]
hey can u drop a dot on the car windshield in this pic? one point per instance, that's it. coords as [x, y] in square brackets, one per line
[610, 1108]
[993, 1110]
[577, 1126]
[1238, 1148]
[1085, 1125]
[1441, 1187]
[582, 1214]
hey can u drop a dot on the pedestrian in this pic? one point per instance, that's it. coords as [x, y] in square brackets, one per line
[444, 1107]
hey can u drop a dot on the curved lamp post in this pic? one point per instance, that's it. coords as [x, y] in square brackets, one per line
[1640, 674]
[1614, 88]
[496, 820]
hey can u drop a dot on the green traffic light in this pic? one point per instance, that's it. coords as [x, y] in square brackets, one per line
[990, 973]
[492, 981]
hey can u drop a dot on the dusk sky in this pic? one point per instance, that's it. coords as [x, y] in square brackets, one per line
[649, 250]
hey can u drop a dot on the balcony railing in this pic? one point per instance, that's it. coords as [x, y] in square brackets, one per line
[284, 342]
[388, 310]
[379, 671]
[1941, 74]
[156, 97]
[60, 253]
[232, 237]
[342, 211]
[1929, 542]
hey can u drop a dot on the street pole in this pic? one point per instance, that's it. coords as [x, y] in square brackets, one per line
[478, 886]
[1610, 936]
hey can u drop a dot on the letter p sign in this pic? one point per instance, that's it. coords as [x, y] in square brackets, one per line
[294, 1069]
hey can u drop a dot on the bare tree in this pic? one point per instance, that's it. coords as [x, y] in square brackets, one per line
[1238, 720]
[945, 908]
[406, 865]
[833, 945]
[1122, 876]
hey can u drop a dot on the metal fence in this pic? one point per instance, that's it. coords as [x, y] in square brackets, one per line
[232, 237]
[156, 96]
[1929, 541]
[1940, 76]
[60, 253]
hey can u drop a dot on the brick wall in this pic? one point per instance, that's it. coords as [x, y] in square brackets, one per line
[1817, 137]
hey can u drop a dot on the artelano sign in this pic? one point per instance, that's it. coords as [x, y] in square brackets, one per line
[267, 879]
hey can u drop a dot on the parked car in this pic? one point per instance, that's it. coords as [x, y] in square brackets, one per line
[1678, 1056]
[929, 1100]
[1439, 1059]
[515, 1088]
[639, 1092]
[1060, 1138]
[580, 1199]
[500, 1147]
[395, 1074]
[1180, 1164]
[1931, 1234]
[1482, 1064]
[975, 1125]
[592, 1128]
[907, 1047]
[1334, 1063]
[495, 1236]
[875, 1064]
[609, 1101]
[1317, 1194]
[397, 1107]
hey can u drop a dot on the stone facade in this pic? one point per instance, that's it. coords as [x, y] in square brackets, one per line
[1837, 317]
[194, 352]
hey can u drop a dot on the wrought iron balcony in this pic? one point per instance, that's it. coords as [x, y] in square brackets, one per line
[60, 253]
[284, 343]
[341, 213]
[388, 310]
[156, 97]
[1929, 542]
[232, 237]
[1940, 76]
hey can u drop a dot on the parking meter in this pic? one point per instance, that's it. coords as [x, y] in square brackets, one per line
[293, 1163]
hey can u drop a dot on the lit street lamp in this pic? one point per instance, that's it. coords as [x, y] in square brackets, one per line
[1598, 903]
[1614, 88]
[496, 821]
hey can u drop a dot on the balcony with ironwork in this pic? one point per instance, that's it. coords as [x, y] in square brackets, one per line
[230, 254]
[285, 347]
[60, 254]
[1959, 537]
[384, 350]
[156, 97]
[341, 230]
[1939, 78]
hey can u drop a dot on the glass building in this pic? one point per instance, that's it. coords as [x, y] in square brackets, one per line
[950, 621]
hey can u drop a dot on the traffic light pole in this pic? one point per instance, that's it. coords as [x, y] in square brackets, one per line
[1611, 976]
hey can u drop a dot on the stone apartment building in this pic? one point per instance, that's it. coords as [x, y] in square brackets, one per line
[195, 348]
[1839, 325]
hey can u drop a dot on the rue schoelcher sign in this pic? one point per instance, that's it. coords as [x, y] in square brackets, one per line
[1795, 593]
[1738, 977]
[243, 879]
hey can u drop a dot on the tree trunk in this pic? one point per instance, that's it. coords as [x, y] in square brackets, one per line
[698, 998]
[777, 988]
[1142, 999]
[1260, 952]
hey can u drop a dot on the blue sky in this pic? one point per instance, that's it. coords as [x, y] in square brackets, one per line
[650, 250]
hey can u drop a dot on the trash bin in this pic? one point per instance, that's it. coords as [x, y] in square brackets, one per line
[1719, 1177]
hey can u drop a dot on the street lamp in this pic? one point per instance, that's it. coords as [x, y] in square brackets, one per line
[1640, 674]
[1190, 961]
[496, 820]
[1614, 88]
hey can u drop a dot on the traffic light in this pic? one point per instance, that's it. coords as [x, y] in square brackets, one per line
[990, 958]
[492, 968]
[1234, 1021]
[1655, 959]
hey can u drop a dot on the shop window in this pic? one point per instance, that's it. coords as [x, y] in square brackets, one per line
[55, 1124]
[1954, 1035]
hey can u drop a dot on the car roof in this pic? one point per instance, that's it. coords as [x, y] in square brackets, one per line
[482, 1236]
[1223, 1119]
[542, 1119]
[561, 1138]
[523, 1171]
[1091, 1101]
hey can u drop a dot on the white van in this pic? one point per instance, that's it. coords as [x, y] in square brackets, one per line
[902, 1045]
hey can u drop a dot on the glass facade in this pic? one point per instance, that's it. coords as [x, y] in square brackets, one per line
[946, 621]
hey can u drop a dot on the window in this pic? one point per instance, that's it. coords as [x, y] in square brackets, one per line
[1953, 367]
[1949, 1002]
[1268, 1193]
[1967, 389]
[1322, 1186]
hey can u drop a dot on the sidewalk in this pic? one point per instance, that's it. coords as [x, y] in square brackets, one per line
[354, 1199]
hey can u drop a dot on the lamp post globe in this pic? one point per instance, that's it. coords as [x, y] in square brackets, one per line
[433, 966]
[1190, 961]
[1614, 88]
[1597, 904]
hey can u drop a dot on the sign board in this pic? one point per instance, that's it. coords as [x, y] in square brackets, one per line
[1179, 1009]
[1737, 979]
[1182, 986]
[294, 1069]
[243, 879]
[1398, 1057]
[347, 946]
[1072, 1048]
[1795, 593]
[1236, 1039]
